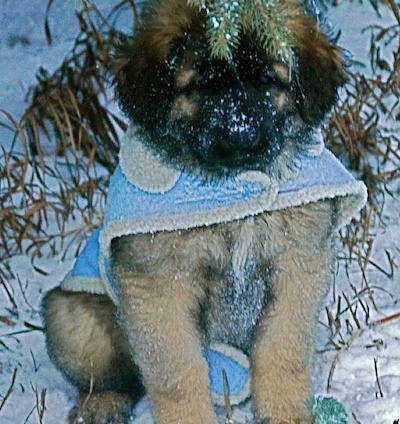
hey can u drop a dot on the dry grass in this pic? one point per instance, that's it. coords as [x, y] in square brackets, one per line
[66, 145]
[70, 107]
[364, 132]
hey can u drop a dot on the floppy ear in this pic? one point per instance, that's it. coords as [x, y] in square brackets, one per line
[143, 78]
[140, 79]
[320, 70]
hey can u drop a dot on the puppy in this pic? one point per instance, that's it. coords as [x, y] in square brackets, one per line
[254, 283]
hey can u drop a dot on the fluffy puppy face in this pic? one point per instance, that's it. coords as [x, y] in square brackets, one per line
[224, 117]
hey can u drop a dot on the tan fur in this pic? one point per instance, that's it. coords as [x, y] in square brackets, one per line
[162, 290]
[255, 283]
[166, 341]
[282, 72]
[86, 343]
[183, 106]
[102, 407]
[185, 76]
[284, 340]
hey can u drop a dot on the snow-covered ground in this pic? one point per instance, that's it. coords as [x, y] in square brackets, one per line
[364, 376]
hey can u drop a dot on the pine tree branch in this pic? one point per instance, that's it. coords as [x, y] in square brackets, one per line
[264, 18]
[227, 19]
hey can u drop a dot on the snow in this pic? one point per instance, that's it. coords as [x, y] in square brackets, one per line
[355, 379]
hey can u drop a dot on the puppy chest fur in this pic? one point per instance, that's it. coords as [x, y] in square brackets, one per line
[232, 267]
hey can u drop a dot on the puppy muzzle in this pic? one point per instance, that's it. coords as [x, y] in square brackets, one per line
[241, 124]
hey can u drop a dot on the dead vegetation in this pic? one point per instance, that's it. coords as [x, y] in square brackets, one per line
[364, 133]
[65, 146]
[66, 143]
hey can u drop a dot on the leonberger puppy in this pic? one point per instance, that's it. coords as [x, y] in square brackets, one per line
[254, 283]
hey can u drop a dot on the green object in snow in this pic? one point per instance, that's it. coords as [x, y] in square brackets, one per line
[328, 410]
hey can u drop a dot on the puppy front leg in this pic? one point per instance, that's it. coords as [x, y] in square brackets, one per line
[159, 319]
[283, 348]
[284, 337]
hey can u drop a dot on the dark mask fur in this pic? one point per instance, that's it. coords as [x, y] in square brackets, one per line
[223, 117]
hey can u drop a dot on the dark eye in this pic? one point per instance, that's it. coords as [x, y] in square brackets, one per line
[267, 77]
[209, 81]
[203, 82]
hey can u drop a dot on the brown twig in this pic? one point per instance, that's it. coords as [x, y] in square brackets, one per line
[7, 321]
[392, 4]
[91, 385]
[35, 365]
[336, 359]
[33, 326]
[228, 407]
[23, 291]
[10, 388]
[385, 319]
[9, 293]
[355, 418]
[379, 392]
[40, 404]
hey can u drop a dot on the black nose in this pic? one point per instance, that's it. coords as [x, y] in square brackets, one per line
[241, 131]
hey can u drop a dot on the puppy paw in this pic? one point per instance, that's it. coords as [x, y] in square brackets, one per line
[102, 408]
